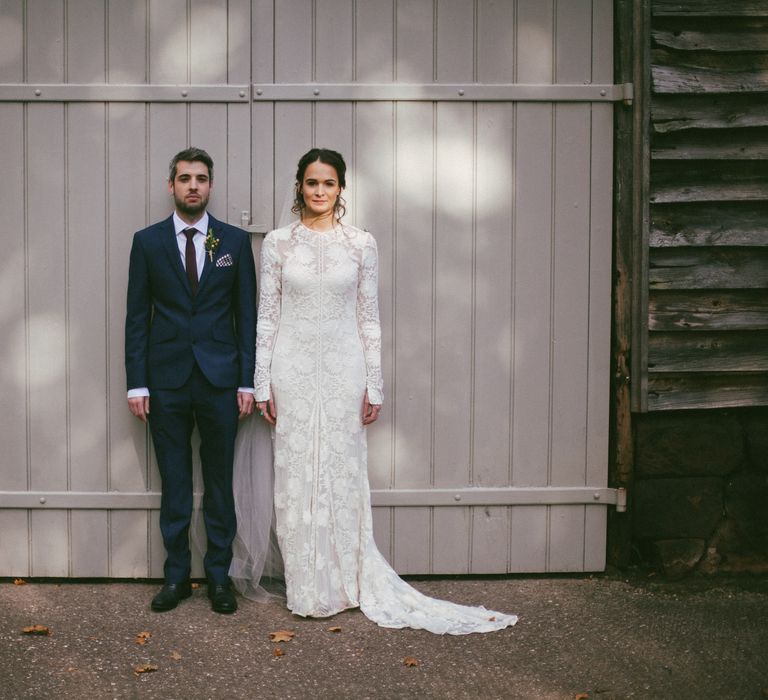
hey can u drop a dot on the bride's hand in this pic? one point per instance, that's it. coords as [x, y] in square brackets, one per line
[370, 410]
[267, 410]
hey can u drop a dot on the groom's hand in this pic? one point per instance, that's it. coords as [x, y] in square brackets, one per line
[139, 406]
[245, 403]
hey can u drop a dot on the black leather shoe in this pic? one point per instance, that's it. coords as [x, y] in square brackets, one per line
[222, 598]
[170, 595]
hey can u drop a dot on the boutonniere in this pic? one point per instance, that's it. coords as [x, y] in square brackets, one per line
[211, 244]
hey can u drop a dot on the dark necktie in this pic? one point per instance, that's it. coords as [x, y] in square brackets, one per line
[190, 257]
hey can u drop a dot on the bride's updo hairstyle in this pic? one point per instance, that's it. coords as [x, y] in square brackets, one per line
[329, 157]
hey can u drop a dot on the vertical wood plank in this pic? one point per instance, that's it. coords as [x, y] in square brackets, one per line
[490, 540]
[127, 49]
[494, 323]
[263, 184]
[374, 199]
[85, 41]
[534, 41]
[50, 543]
[294, 41]
[237, 163]
[414, 287]
[375, 41]
[90, 543]
[600, 265]
[602, 41]
[453, 289]
[14, 40]
[528, 538]
[496, 41]
[239, 18]
[566, 538]
[14, 543]
[595, 546]
[128, 544]
[169, 45]
[455, 32]
[208, 42]
[571, 294]
[333, 39]
[127, 188]
[451, 540]
[13, 315]
[412, 541]
[573, 42]
[47, 294]
[262, 40]
[532, 295]
[45, 41]
[87, 333]
[414, 26]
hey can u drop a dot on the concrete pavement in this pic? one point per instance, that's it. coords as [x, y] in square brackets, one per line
[601, 637]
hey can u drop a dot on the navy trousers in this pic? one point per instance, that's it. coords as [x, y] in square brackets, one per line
[173, 415]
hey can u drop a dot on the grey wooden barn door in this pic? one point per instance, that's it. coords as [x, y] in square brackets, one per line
[96, 97]
[478, 135]
[479, 141]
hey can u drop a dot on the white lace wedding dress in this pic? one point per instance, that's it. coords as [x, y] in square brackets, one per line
[318, 351]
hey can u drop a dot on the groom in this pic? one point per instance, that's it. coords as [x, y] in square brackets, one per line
[189, 353]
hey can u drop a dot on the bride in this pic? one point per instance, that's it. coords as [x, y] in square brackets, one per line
[318, 385]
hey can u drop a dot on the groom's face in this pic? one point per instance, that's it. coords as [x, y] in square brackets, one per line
[191, 187]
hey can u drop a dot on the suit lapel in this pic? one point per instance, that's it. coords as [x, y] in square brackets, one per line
[171, 246]
[213, 225]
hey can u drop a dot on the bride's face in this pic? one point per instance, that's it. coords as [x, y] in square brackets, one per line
[320, 189]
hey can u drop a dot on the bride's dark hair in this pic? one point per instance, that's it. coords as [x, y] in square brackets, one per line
[329, 157]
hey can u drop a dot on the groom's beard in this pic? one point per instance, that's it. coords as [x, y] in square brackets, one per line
[190, 209]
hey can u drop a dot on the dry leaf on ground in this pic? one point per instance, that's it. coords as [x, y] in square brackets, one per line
[144, 668]
[176, 656]
[19, 582]
[581, 696]
[281, 636]
[334, 629]
[36, 629]
[410, 661]
[277, 651]
[143, 637]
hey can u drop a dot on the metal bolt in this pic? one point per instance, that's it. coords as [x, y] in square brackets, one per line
[596, 495]
[38, 92]
[457, 497]
[42, 499]
[259, 91]
[242, 93]
[603, 93]
[461, 93]
[184, 93]
[315, 92]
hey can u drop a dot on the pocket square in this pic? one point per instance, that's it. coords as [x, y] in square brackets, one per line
[225, 261]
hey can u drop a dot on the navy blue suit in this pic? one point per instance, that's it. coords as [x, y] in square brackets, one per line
[192, 351]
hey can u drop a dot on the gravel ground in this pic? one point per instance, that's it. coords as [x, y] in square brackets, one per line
[599, 637]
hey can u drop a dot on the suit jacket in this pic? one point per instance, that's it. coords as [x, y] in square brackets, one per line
[167, 329]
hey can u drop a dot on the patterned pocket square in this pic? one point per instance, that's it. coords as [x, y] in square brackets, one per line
[225, 261]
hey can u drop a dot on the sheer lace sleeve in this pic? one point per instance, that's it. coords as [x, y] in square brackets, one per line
[269, 315]
[368, 319]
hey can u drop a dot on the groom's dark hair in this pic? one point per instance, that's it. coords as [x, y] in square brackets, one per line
[191, 155]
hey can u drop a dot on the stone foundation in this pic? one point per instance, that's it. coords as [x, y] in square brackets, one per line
[700, 496]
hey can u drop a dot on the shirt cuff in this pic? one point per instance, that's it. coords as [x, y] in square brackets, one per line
[246, 390]
[136, 393]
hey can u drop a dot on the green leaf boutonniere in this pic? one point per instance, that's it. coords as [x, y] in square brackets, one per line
[211, 244]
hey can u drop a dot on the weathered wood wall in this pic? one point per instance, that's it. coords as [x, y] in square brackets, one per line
[708, 236]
